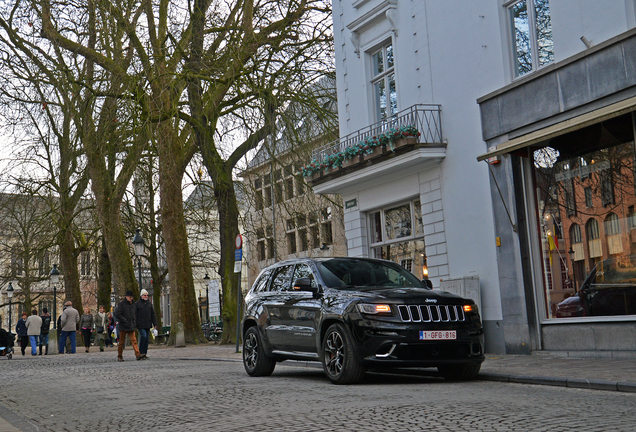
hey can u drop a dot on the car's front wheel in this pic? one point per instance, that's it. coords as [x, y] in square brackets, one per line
[459, 372]
[338, 357]
[256, 362]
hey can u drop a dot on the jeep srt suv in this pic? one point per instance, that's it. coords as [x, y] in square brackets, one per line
[354, 314]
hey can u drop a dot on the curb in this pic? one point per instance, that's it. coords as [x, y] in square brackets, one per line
[620, 386]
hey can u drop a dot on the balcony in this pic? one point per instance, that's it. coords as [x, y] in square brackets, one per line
[413, 135]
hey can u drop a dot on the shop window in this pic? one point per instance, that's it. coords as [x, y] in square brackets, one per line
[598, 267]
[383, 83]
[531, 34]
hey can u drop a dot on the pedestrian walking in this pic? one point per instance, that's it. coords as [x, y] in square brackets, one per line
[69, 320]
[145, 320]
[127, 321]
[101, 328]
[111, 330]
[44, 331]
[34, 327]
[87, 322]
[21, 331]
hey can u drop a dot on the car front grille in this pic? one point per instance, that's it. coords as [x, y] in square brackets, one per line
[431, 313]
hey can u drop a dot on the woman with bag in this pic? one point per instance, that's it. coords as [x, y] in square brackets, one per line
[101, 327]
[86, 324]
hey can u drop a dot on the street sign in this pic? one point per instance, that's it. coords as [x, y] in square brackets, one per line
[238, 255]
[237, 266]
[239, 241]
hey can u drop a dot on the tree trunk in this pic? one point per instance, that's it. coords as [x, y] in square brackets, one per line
[183, 303]
[104, 282]
[228, 230]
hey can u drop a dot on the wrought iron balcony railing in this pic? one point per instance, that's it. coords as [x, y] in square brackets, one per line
[427, 118]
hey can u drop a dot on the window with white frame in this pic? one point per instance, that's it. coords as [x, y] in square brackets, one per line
[383, 82]
[396, 223]
[531, 34]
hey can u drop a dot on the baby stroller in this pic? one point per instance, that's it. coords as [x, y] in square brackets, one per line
[6, 343]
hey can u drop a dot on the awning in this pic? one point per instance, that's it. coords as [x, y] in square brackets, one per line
[569, 125]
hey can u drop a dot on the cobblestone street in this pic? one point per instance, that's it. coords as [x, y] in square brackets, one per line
[178, 390]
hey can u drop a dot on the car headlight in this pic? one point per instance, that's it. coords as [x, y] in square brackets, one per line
[375, 309]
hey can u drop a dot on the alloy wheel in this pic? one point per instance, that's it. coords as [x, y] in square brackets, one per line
[334, 354]
[250, 349]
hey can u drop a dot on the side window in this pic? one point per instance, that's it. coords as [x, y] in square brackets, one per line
[282, 278]
[304, 271]
[262, 283]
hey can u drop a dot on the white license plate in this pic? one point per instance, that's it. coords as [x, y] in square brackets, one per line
[438, 335]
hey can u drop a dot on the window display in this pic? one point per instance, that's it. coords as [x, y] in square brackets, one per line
[585, 195]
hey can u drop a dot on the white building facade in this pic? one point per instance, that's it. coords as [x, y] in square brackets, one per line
[431, 206]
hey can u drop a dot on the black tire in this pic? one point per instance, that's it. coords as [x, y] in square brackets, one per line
[338, 357]
[459, 372]
[255, 361]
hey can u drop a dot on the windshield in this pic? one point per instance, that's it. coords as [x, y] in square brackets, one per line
[351, 272]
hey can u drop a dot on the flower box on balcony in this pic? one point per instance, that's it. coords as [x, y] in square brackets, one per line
[315, 176]
[347, 163]
[376, 152]
[403, 142]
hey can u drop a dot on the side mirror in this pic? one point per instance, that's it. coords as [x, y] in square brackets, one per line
[304, 284]
[428, 283]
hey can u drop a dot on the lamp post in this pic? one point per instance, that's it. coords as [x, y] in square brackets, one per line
[10, 294]
[55, 279]
[206, 281]
[138, 243]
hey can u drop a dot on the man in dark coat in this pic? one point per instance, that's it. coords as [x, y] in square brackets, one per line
[44, 331]
[126, 316]
[145, 320]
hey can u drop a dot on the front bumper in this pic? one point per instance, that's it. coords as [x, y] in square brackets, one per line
[398, 345]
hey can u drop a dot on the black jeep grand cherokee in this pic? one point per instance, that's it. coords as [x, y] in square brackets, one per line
[354, 314]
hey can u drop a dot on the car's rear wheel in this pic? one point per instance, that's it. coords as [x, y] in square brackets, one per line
[459, 372]
[255, 361]
[338, 357]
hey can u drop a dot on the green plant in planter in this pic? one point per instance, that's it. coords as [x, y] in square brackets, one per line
[365, 146]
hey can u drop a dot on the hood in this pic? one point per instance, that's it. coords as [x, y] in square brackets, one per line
[404, 295]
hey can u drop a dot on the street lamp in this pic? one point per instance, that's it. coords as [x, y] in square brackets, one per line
[138, 243]
[10, 294]
[206, 281]
[55, 279]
